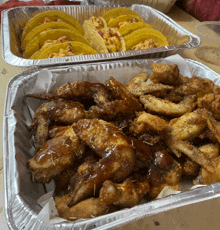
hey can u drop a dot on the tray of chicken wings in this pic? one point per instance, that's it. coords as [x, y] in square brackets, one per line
[104, 144]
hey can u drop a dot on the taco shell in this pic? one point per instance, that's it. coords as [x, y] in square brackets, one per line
[129, 28]
[43, 27]
[77, 46]
[123, 18]
[137, 36]
[52, 15]
[97, 42]
[115, 12]
[88, 24]
[37, 42]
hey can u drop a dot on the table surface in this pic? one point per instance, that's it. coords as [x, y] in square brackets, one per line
[203, 215]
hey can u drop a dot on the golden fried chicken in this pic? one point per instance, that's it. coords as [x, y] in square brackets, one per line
[168, 108]
[146, 122]
[211, 102]
[138, 85]
[190, 168]
[115, 150]
[188, 126]
[165, 74]
[56, 155]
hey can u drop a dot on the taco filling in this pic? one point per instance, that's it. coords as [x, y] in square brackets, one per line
[98, 22]
[111, 39]
[47, 20]
[57, 41]
[69, 51]
[132, 20]
[146, 44]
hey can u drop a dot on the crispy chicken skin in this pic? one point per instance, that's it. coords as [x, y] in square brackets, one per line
[115, 150]
[168, 108]
[55, 156]
[58, 111]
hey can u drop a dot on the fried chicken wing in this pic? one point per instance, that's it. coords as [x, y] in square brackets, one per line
[165, 74]
[194, 153]
[124, 195]
[85, 90]
[138, 86]
[211, 102]
[188, 126]
[164, 171]
[168, 108]
[112, 146]
[146, 122]
[196, 86]
[58, 111]
[55, 156]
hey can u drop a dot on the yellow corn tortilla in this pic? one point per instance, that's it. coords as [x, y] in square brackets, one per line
[37, 42]
[98, 43]
[52, 15]
[123, 18]
[88, 24]
[43, 27]
[115, 12]
[137, 36]
[77, 46]
[129, 28]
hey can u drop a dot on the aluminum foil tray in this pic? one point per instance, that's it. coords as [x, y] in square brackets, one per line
[13, 20]
[21, 194]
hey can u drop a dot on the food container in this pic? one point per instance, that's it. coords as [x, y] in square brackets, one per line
[13, 20]
[161, 5]
[209, 50]
[21, 194]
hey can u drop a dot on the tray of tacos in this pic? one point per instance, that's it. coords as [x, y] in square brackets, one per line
[51, 35]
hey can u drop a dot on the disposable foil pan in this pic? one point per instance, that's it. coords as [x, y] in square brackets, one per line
[13, 20]
[161, 5]
[21, 194]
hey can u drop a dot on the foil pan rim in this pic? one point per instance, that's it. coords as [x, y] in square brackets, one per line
[28, 217]
[14, 60]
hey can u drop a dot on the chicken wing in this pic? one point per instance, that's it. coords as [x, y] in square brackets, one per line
[84, 90]
[58, 111]
[146, 122]
[168, 108]
[138, 86]
[112, 146]
[165, 74]
[210, 102]
[55, 156]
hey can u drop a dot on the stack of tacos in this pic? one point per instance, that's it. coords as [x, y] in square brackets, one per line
[53, 31]
[122, 29]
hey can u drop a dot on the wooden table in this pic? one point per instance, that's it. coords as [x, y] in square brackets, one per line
[203, 215]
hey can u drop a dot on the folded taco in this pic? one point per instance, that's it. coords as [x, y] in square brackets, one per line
[115, 12]
[49, 16]
[65, 49]
[95, 23]
[44, 28]
[106, 40]
[145, 38]
[127, 28]
[51, 37]
[123, 20]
